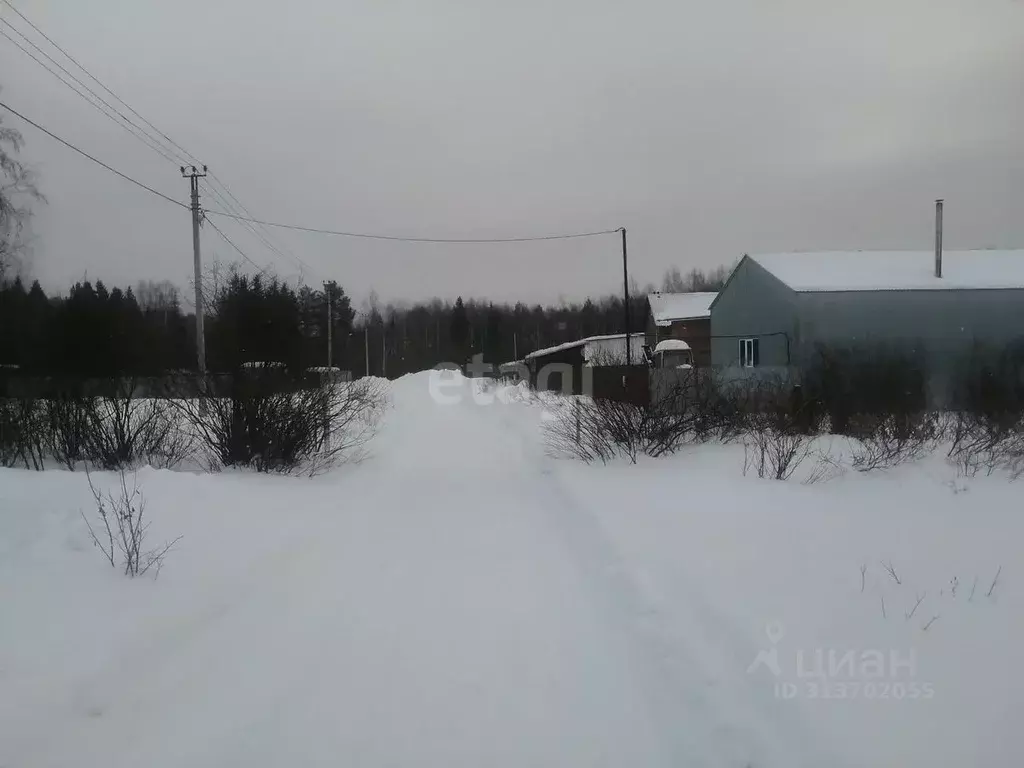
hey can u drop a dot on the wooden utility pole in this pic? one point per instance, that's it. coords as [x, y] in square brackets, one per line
[194, 176]
[625, 298]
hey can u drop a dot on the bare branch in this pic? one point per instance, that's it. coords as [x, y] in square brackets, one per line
[992, 588]
[891, 571]
[913, 610]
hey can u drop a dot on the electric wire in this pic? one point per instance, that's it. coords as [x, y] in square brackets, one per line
[404, 239]
[127, 125]
[232, 244]
[86, 155]
[78, 64]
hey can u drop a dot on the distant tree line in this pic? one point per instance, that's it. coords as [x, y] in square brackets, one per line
[100, 331]
[696, 280]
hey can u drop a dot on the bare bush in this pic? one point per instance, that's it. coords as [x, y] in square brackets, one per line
[120, 532]
[986, 430]
[776, 440]
[120, 430]
[125, 430]
[592, 430]
[350, 414]
[772, 449]
[21, 433]
[887, 440]
[826, 467]
[268, 425]
[979, 442]
[694, 406]
[68, 419]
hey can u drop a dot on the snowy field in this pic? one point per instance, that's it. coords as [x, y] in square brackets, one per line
[461, 598]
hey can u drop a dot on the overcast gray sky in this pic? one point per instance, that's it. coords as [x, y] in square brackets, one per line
[708, 128]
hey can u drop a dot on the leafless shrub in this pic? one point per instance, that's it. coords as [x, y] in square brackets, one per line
[21, 433]
[694, 406]
[125, 430]
[68, 418]
[774, 452]
[986, 430]
[112, 432]
[351, 413]
[774, 445]
[826, 467]
[986, 443]
[599, 429]
[910, 614]
[593, 430]
[266, 424]
[120, 532]
[691, 407]
[887, 440]
[891, 570]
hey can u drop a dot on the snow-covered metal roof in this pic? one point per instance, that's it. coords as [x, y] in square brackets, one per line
[672, 345]
[600, 350]
[667, 308]
[895, 270]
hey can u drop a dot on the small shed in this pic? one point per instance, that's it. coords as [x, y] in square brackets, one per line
[682, 316]
[571, 367]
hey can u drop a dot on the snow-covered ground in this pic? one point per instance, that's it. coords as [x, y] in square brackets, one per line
[463, 599]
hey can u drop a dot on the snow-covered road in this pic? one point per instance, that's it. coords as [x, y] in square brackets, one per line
[446, 605]
[459, 599]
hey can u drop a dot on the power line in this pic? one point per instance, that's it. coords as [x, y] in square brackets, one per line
[241, 213]
[86, 155]
[74, 61]
[288, 252]
[169, 154]
[239, 250]
[142, 136]
[263, 238]
[164, 149]
[367, 236]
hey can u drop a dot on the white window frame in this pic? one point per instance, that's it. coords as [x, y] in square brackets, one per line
[747, 354]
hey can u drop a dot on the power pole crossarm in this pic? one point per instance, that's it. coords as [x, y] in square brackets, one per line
[193, 176]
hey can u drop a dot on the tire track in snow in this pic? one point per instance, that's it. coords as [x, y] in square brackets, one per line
[694, 707]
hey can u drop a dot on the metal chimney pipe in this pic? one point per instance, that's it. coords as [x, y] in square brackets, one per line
[938, 238]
